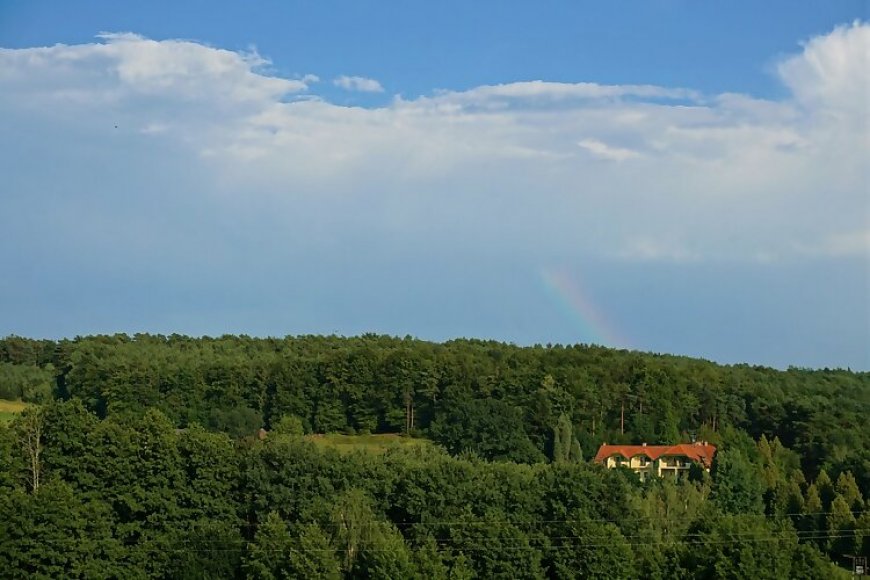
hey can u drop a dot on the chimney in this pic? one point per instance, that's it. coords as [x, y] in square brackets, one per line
[643, 444]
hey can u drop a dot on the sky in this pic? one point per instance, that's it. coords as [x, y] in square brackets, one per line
[666, 176]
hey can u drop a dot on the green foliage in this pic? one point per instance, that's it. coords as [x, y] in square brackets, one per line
[289, 425]
[847, 488]
[210, 475]
[429, 561]
[488, 427]
[460, 569]
[269, 554]
[11, 461]
[28, 383]
[495, 546]
[826, 489]
[207, 549]
[354, 525]
[383, 555]
[51, 534]
[143, 498]
[278, 552]
[384, 384]
[593, 549]
[737, 484]
[312, 555]
[237, 423]
[812, 520]
[130, 484]
[840, 526]
[566, 448]
[862, 526]
[739, 546]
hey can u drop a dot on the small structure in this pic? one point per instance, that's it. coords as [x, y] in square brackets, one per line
[659, 460]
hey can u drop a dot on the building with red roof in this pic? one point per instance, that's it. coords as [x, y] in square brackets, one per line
[659, 460]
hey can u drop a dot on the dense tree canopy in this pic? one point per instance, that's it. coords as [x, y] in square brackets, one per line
[148, 462]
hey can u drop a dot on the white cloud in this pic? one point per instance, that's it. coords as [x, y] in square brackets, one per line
[837, 244]
[605, 151]
[517, 166]
[154, 128]
[360, 84]
[833, 72]
[554, 91]
[125, 66]
[657, 250]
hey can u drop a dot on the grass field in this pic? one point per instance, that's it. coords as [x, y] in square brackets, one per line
[378, 443]
[8, 409]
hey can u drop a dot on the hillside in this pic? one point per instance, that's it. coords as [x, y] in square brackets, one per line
[144, 427]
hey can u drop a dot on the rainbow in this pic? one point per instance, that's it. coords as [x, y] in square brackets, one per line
[579, 305]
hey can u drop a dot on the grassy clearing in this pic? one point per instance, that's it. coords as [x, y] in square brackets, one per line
[9, 409]
[377, 443]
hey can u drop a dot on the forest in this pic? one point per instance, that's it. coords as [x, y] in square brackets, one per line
[153, 456]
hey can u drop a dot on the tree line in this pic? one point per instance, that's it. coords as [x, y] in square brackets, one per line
[150, 436]
[497, 400]
[136, 497]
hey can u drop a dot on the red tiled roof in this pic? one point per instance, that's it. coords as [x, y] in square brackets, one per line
[702, 452]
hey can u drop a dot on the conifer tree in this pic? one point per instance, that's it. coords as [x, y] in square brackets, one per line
[840, 527]
[566, 448]
[847, 487]
[269, 553]
[813, 516]
[826, 489]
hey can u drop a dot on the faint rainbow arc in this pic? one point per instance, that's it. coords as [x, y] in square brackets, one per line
[568, 293]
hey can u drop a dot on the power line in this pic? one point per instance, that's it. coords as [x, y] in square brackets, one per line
[500, 547]
[482, 522]
[800, 534]
[586, 541]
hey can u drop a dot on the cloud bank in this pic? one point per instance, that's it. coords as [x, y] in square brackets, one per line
[173, 159]
[715, 176]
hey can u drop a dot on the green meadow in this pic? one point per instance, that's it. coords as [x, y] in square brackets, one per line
[372, 443]
[9, 409]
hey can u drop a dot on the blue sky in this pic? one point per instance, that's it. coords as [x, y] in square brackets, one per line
[414, 47]
[679, 177]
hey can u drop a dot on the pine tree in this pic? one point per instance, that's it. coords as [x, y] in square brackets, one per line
[848, 488]
[269, 552]
[566, 448]
[812, 519]
[840, 526]
[826, 489]
[429, 561]
[575, 455]
[312, 556]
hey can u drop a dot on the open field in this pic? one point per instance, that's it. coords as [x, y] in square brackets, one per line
[377, 443]
[8, 409]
